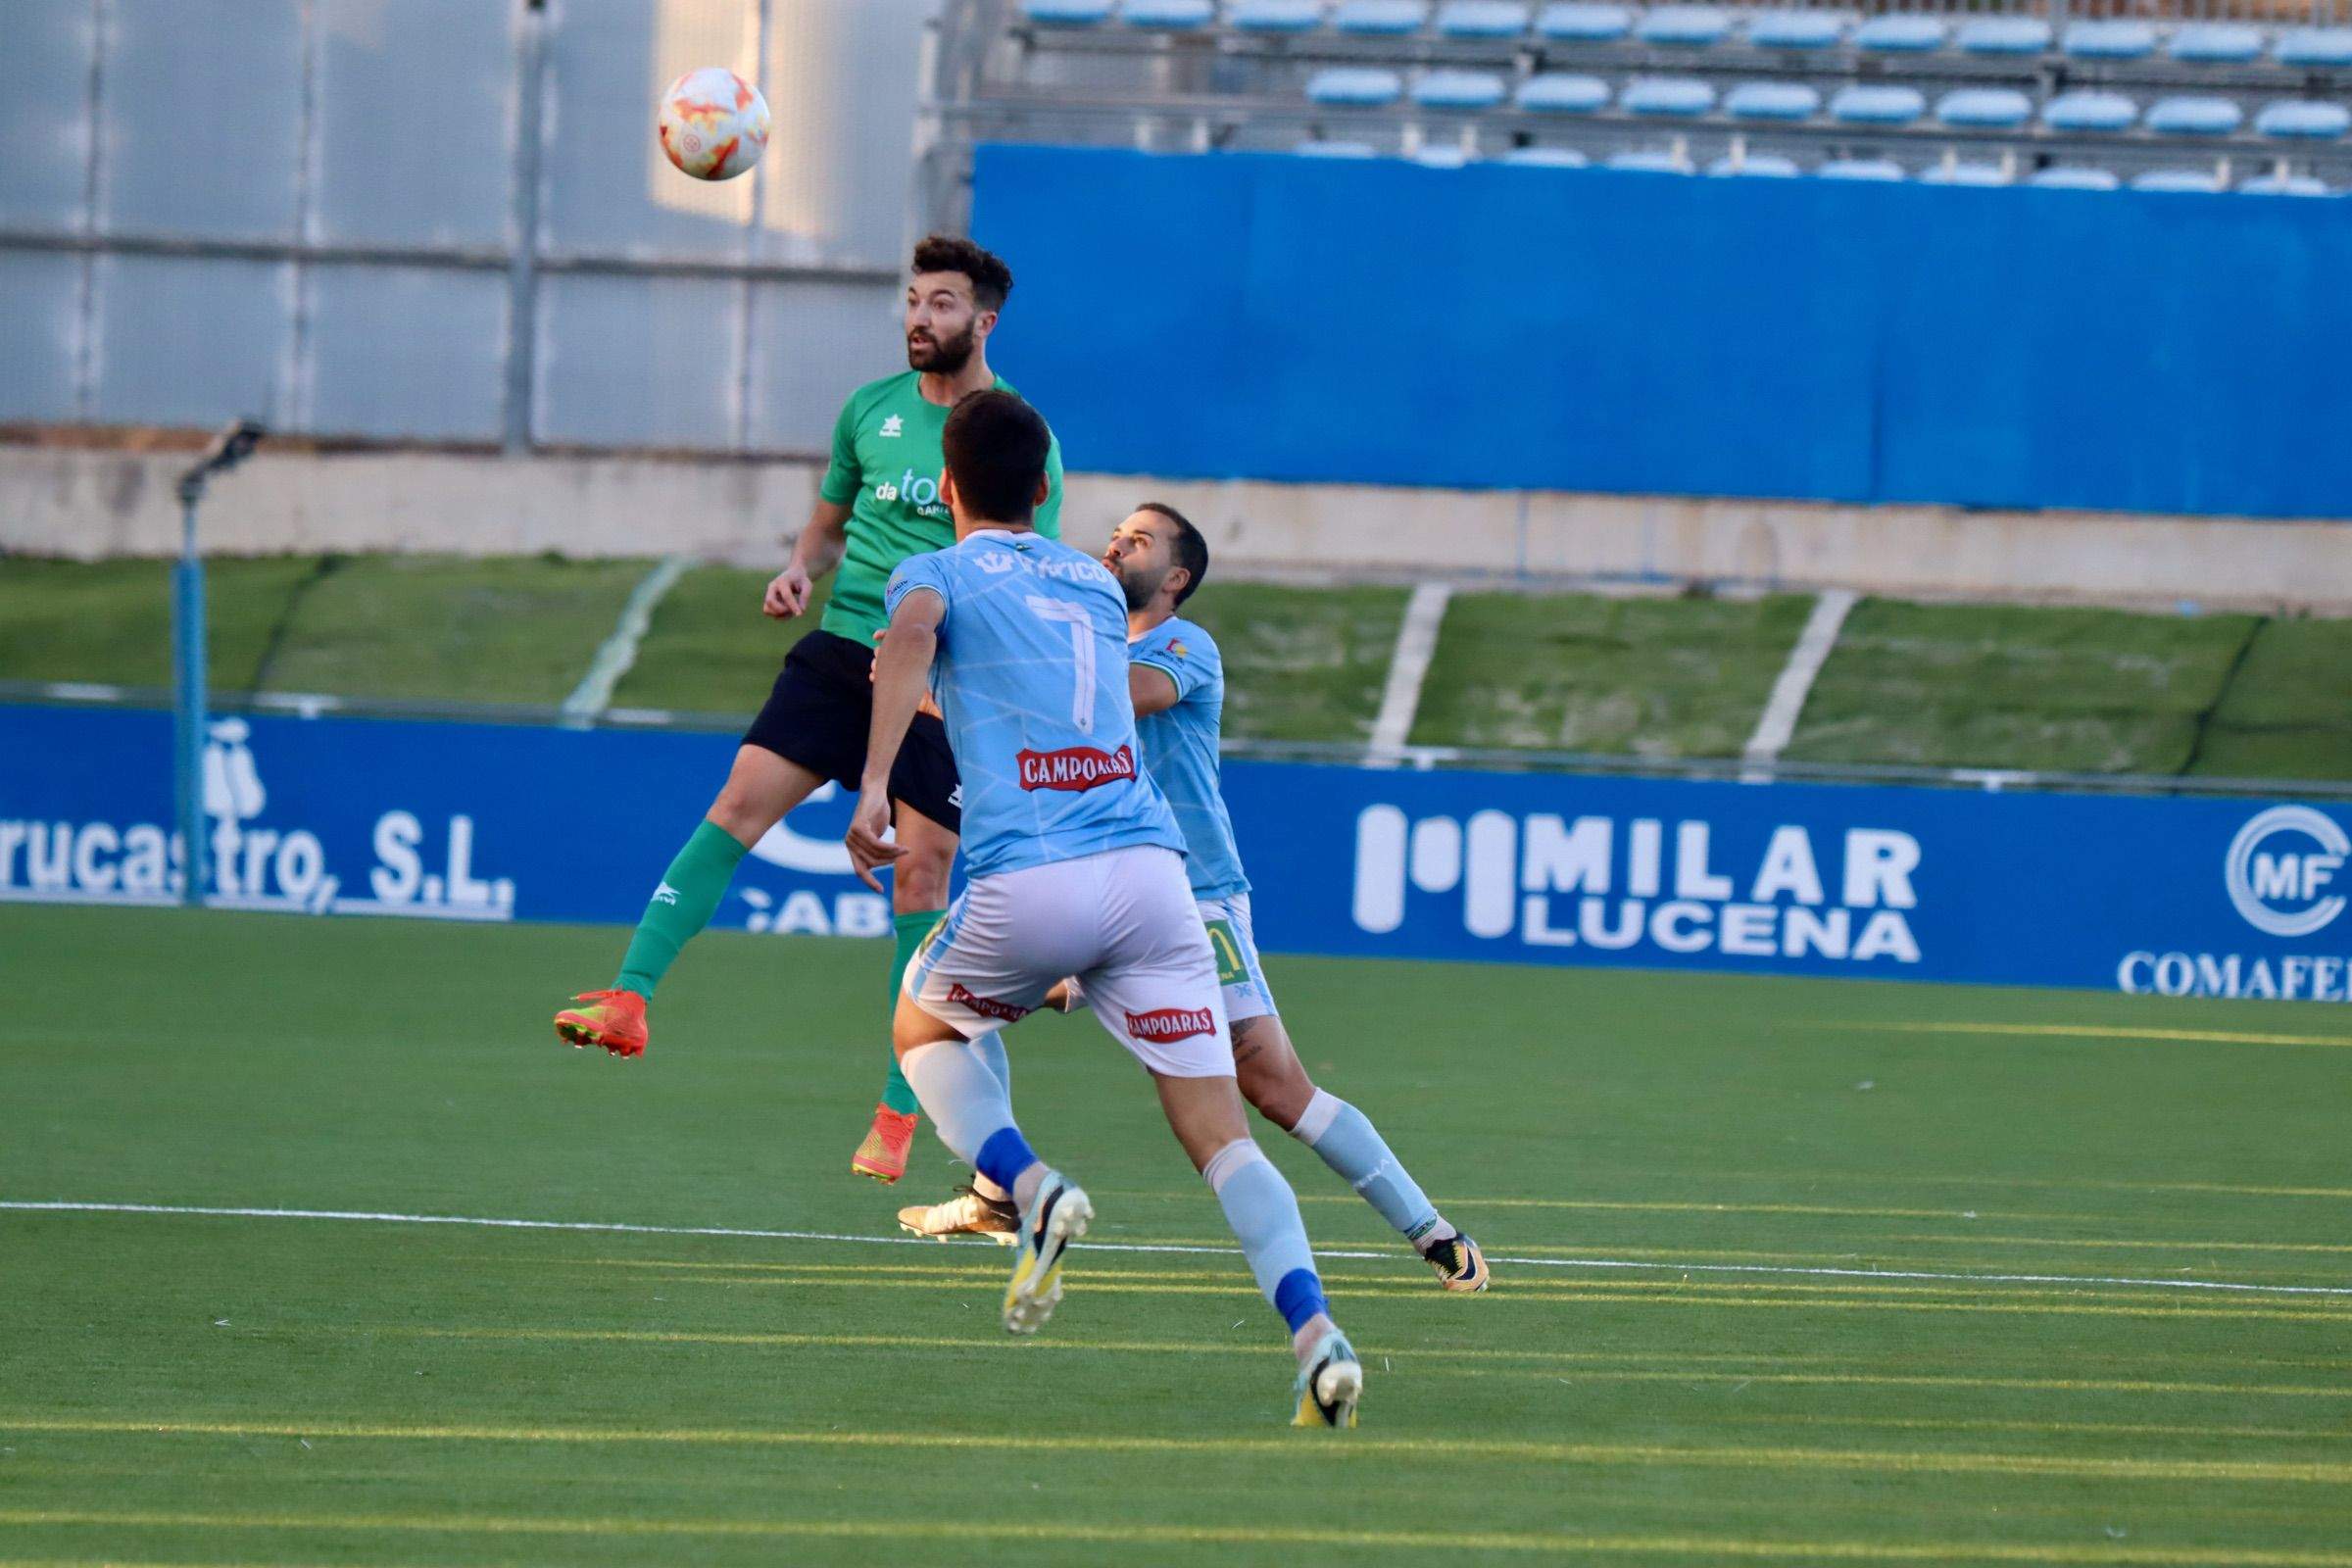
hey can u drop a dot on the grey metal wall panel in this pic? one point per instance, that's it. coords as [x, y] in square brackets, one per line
[407, 351]
[203, 116]
[605, 183]
[640, 362]
[413, 116]
[841, 81]
[37, 334]
[45, 51]
[812, 343]
[182, 341]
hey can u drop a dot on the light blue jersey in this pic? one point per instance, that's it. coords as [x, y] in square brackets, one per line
[1032, 677]
[1179, 752]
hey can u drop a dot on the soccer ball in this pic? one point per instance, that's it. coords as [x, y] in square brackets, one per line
[714, 124]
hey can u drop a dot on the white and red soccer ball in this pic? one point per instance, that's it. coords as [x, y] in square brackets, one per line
[714, 124]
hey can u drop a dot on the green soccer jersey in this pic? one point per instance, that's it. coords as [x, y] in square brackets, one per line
[885, 469]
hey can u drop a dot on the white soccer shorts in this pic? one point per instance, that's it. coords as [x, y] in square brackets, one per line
[1123, 922]
[1232, 941]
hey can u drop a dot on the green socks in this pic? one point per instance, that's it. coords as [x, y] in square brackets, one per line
[898, 1094]
[681, 906]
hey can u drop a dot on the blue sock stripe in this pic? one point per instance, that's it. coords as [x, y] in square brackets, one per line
[1005, 1156]
[1299, 1298]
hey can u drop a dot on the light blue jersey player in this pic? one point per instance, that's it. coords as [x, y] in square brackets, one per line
[1077, 868]
[1176, 682]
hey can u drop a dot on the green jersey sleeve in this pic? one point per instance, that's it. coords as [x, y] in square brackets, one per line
[842, 480]
[1049, 516]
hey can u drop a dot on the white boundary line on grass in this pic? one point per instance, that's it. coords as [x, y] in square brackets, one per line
[619, 651]
[1408, 668]
[1778, 722]
[624, 1228]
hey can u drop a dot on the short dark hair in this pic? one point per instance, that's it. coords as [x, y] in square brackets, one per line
[1191, 549]
[996, 446]
[990, 278]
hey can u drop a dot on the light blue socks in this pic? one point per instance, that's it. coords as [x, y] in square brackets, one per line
[1353, 1147]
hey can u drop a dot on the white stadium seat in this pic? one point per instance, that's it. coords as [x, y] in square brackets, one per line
[1355, 86]
[2216, 43]
[1169, 13]
[2073, 179]
[2286, 185]
[1992, 108]
[2003, 35]
[2107, 40]
[1442, 158]
[2197, 116]
[1877, 105]
[1580, 21]
[1795, 30]
[2301, 119]
[1066, 12]
[1275, 15]
[1560, 93]
[1381, 17]
[1672, 96]
[1483, 19]
[1965, 174]
[1458, 89]
[2315, 46]
[1879, 168]
[1759, 166]
[1683, 26]
[1335, 149]
[2176, 180]
[1772, 100]
[1545, 157]
[2089, 110]
[1648, 163]
[1902, 34]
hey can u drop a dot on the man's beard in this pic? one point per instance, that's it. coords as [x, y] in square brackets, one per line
[939, 356]
[1138, 590]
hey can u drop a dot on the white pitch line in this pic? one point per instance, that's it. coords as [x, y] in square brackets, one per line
[1408, 668]
[624, 1228]
[1779, 719]
[619, 651]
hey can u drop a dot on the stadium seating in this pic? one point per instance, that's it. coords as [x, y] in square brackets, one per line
[1952, 98]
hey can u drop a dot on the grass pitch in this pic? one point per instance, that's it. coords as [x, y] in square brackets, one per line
[182, 1388]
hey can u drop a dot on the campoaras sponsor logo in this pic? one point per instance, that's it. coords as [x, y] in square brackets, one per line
[1166, 1024]
[986, 1007]
[1075, 768]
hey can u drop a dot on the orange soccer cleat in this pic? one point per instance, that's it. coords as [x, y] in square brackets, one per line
[612, 1019]
[883, 1154]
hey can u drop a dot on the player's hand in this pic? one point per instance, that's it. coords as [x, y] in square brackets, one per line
[867, 838]
[787, 593]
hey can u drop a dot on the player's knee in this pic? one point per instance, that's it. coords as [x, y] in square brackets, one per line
[919, 879]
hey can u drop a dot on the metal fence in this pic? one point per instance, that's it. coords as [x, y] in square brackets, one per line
[448, 219]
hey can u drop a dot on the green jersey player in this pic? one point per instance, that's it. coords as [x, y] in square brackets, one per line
[878, 504]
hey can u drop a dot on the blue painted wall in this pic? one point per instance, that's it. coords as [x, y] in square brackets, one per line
[1280, 318]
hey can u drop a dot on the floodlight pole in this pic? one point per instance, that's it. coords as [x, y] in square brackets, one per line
[188, 649]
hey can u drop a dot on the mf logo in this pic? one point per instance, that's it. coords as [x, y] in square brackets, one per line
[893, 427]
[2280, 867]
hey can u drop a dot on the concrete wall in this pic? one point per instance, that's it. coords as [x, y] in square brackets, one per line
[87, 505]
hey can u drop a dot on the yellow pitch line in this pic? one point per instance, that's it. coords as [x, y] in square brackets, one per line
[1095, 1268]
[2128, 1242]
[2325, 1473]
[1601, 1292]
[2120, 1429]
[1569, 1358]
[2089, 1031]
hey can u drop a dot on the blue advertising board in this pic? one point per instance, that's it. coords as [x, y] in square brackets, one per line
[2178, 897]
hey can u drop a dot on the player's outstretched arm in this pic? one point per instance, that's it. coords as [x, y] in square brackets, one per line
[901, 674]
[815, 553]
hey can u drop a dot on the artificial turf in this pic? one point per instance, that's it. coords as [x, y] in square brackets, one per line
[185, 1388]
